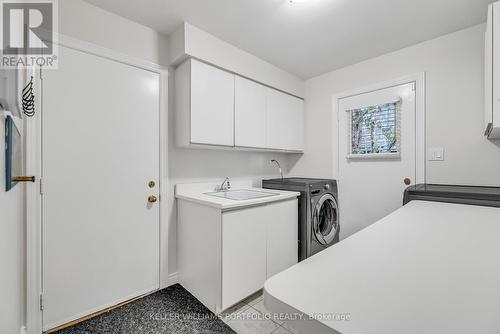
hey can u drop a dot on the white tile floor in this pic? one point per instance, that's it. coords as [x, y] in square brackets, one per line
[251, 317]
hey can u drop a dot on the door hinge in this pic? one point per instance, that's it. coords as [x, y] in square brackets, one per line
[41, 186]
[41, 302]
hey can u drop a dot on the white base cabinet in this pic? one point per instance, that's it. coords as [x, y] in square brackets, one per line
[225, 256]
[282, 253]
[243, 253]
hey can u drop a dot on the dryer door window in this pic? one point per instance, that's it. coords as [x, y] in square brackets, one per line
[325, 219]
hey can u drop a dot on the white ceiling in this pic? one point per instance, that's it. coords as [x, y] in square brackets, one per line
[314, 36]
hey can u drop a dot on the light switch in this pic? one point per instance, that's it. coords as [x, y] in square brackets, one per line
[435, 154]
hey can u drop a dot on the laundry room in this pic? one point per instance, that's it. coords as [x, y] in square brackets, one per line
[267, 166]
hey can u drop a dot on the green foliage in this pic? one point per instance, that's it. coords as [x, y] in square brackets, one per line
[373, 129]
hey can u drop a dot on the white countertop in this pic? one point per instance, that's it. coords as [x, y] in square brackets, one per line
[426, 268]
[195, 192]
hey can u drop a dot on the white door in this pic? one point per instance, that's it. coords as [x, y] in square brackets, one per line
[377, 152]
[100, 150]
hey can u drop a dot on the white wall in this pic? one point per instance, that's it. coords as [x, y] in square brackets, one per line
[189, 40]
[454, 108]
[12, 251]
[89, 23]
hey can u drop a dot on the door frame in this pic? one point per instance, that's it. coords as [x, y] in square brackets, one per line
[33, 209]
[418, 79]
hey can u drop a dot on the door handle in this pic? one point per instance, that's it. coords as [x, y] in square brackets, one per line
[23, 178]
[407, 181]
[152, 199]
[489, 127]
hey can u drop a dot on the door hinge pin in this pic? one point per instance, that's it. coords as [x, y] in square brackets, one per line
[41, 186]
[41, 302]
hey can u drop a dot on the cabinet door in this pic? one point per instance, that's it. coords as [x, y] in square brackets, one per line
[496, 62]
[249, 113]
[285, 121]
[212, 105]
[296, 114]
[243, 253]
[282, 236]
[488, 71]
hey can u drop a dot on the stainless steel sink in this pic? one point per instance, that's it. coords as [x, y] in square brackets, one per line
[240, 194]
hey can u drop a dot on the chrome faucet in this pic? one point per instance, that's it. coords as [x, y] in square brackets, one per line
[225, 185]
[279, 167]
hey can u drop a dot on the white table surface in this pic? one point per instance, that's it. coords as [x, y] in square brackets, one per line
[426, 268]
[195, 192]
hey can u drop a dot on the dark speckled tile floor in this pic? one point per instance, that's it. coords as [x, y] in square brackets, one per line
[171, 310]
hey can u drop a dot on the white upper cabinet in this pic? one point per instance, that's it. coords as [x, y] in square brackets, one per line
[215, 108]
[492, 73]
[285, 121]
[249, 113]
[205, 105]
[297, 115]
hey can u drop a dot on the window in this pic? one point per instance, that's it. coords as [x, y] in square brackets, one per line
[375, 131]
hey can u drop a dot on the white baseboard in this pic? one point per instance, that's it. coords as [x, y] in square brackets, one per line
[172, 279]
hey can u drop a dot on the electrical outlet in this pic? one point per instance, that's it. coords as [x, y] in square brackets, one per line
[435, 154]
